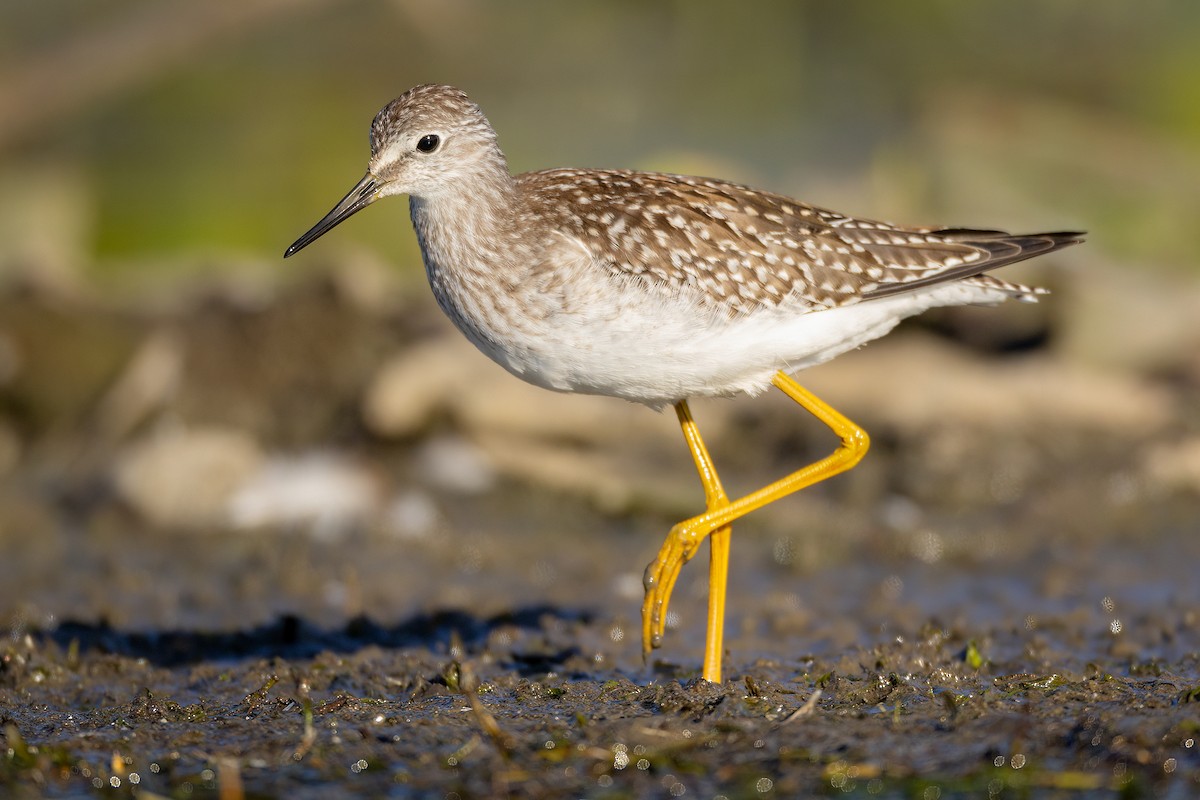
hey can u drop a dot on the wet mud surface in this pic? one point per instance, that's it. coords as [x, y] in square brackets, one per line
[1009, 613]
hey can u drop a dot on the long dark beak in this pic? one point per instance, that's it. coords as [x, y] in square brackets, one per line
[361, 196]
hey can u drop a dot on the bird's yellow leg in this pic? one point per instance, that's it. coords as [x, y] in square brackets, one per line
[685, 538]
[718, 565]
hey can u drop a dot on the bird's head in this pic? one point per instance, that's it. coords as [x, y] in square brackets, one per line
[429, 140]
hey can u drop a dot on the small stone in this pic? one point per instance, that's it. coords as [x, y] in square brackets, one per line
[410, 388]
[147, 383]
[917, 383]
[186, 478]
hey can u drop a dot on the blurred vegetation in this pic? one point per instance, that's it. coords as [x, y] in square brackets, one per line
[143, 138]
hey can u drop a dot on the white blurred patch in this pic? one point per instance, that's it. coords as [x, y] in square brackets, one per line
[928, 547]
[456, 465]
[328, 493]
[900, 513]
[892, 587]
[411, 515]
[628, 586]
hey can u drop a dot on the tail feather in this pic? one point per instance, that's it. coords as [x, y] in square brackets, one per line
[999, 249]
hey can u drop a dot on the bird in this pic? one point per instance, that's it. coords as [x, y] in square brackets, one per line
[658, 288]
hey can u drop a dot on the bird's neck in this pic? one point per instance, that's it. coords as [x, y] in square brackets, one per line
[467, 221]
[474, 251]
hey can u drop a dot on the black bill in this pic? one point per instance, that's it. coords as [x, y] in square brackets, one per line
[361, 196]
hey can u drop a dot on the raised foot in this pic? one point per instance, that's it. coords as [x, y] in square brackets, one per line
[659, 580]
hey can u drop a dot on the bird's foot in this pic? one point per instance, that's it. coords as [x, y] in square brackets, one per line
[659, 580]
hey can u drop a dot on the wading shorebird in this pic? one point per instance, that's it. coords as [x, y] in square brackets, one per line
[657, 288]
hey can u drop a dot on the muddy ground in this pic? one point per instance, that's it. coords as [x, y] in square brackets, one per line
[1005, 610]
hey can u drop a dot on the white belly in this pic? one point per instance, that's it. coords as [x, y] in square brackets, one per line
[643, 347]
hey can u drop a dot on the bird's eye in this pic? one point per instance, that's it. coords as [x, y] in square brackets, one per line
[428, 143]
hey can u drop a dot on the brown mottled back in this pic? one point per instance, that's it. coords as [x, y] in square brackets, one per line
[749, 249]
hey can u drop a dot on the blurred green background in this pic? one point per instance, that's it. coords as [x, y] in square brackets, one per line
[141, 140]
